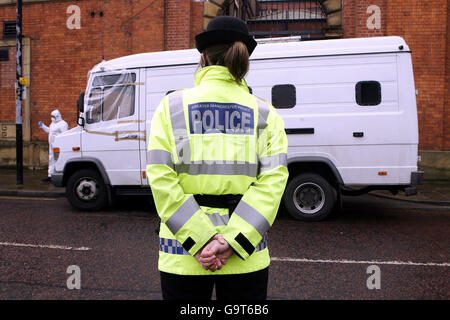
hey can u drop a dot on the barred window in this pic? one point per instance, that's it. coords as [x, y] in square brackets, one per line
[368, 93]
[284, 96]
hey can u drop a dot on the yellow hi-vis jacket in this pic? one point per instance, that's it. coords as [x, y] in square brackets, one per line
[215, 139]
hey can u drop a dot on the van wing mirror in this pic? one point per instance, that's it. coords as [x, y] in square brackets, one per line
[80, 102]
[80, 121]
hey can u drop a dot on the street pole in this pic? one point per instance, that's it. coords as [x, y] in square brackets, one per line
[19, 145]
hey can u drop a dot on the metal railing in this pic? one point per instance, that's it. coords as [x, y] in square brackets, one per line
[279, 18]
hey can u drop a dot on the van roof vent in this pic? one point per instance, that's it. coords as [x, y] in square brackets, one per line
[9, 29]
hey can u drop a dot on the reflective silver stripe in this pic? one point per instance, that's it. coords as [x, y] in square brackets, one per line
[196, 168]
[179, 128]
[219, 220]
[263, 113]
[182, 215]
[270, 162]
[253, 217]
[159, 157]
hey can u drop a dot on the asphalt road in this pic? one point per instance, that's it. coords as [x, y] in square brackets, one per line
[116, 251]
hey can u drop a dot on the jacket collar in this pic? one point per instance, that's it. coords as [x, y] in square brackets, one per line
[216, 73]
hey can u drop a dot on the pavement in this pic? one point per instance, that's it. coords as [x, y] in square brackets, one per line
[434, 192]
[32, 184]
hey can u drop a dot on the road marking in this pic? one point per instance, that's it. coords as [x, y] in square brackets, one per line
[26, 198]
[46, 246]
[400, 263]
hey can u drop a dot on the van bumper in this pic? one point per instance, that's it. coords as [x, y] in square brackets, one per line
[416, 177]
[57, 179]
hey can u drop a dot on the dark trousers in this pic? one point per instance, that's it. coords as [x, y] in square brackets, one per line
[246, 286]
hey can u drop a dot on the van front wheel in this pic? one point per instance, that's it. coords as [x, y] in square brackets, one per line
[309, 197]
[86, 190]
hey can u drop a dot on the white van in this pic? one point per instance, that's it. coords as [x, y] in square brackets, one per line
[349, 109]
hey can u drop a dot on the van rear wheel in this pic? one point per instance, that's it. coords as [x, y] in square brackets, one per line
[86, 190]
[309, 197]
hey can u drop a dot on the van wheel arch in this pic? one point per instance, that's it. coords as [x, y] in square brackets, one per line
[84, 163]
[321, 166]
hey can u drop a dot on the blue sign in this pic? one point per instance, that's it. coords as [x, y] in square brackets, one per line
[215, 117]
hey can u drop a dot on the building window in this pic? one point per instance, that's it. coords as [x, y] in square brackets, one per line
[368, 93]
[284, 96]
[4, 55]
[9, 29]
[281, 18]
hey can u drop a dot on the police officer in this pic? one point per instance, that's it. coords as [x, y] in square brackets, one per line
[216, 163]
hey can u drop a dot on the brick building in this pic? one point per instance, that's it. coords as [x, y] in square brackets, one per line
[63, 39]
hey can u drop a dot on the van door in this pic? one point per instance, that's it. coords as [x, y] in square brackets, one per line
[111, 133]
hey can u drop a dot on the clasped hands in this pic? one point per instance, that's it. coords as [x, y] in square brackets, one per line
[215, 254]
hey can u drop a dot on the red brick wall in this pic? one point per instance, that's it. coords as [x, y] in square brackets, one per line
[178, 24]
[184, 19]
[355, 17]
[7, 85]
[446, 133]
[424, 27]
[61, 58]
[196, 21]
[349, 21]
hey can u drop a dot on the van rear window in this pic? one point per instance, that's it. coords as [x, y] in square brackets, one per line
[368, 93]
[284, 96]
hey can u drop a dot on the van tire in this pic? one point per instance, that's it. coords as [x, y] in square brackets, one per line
[309, 197]
[86, 190]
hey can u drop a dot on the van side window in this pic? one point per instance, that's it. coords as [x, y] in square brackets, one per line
[118, 102]
[284, 96]
[111, 97]
[94, 109]
[368, 93]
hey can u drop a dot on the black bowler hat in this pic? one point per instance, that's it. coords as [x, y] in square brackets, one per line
[225, 29]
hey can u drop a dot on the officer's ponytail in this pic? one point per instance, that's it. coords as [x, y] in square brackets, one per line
[233, 56]
[236, 60]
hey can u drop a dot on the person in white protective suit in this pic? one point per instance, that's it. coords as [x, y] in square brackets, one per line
[57, 126]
